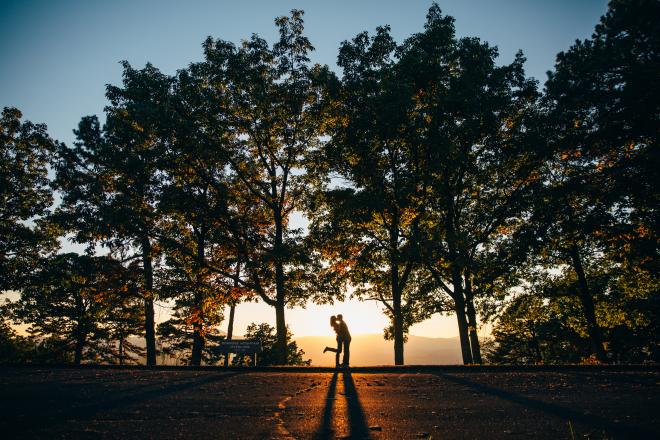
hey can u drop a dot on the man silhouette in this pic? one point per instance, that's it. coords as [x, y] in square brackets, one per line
[337, 351]
[345, 337]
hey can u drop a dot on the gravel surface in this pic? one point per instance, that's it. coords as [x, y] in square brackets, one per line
[100, 403]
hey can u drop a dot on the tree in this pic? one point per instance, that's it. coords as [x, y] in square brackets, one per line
[25, 196]
[14, 348]
[534, 330]
[269, 355]
[268, 100]
[366, 213]
[20, 349]
[602, 193]
[603, 101]
[127, 315]
[205, 218]
[475, 127]
[179, 332]
[67, 299]
[111, 180]
[544, 322]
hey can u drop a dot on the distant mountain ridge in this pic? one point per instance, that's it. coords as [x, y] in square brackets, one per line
[366, 350]
[372, 349]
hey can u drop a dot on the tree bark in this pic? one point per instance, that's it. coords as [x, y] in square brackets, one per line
[230, 330]
[472, 321]
[461, 317]
[121, 349]
[198, 324]
[232, 310]
[594, 330]
[398, 326]
[149, 331]
[80, 345]
[280, 323]
[457, 276]
[79, 331]
[396, 292]
[198, 338]
[459, 307]
[535, 344]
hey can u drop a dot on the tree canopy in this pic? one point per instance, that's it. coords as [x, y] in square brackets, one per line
[428, 175]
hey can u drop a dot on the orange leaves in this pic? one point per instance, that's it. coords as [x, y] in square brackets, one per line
[137, 127]
[504, 230]
[534, 176]
[643, 231]
[570, 154]
[195, 318]
[237, 293]
[341, 266]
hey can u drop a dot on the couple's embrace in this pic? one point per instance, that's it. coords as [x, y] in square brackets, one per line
[343, 340]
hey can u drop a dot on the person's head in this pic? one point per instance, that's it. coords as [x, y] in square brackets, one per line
[333, 320]
[340, 317]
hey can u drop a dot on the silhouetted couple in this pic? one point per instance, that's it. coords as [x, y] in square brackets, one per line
[343, 340]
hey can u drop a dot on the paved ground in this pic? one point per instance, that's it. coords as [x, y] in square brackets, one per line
[144, 404]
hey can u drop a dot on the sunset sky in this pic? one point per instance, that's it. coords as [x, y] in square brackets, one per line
[57, 57]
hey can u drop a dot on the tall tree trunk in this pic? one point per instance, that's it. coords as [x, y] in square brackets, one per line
[461, 316]
[80, 345]
[198, 323]
[535, 345]
[457, 275]
[80, 331]
[396, 292]
[472, 331]
[198, 338]
[459, 307]
[595, 333]
[121, 349]
[398, 326]
[472, 320]
[149, 331]
[230, 329]
[232, 309]
[280, 323]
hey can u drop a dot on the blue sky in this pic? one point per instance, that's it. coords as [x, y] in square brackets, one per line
[57, 56]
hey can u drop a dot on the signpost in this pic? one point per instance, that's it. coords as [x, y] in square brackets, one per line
[241, 346]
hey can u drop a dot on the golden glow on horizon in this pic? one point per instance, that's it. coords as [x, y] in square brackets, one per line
[362, 318]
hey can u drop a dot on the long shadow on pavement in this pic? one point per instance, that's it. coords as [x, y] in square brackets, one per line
[58, 414]
[568, 414]
[325, 429]
[356, 418]
[35, 398]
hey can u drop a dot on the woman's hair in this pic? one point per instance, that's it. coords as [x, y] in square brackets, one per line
[332, 320]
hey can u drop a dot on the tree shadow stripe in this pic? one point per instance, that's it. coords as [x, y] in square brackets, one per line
[568, 414]
[57, 415]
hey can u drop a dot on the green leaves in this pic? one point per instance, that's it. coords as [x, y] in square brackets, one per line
[269, 356]
[25, 196]
[83, 301]
[434, 177]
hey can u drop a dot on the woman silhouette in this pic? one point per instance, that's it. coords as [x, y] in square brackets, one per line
[335, 326]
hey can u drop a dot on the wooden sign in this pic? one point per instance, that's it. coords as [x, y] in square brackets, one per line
[240, 346]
